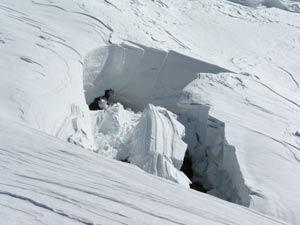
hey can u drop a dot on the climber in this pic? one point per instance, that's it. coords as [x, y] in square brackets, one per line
[101, 103]
[109, 96]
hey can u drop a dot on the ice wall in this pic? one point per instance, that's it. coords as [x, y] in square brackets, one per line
[213, 161]
[141, 75]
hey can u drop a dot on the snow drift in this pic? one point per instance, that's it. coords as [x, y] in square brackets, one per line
[45, 180]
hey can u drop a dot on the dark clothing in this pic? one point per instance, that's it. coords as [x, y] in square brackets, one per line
[101, 103]
[94, 105]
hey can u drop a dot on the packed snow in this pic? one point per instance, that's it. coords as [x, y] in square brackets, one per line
[213, 82]
[45, 180]
[113, 130]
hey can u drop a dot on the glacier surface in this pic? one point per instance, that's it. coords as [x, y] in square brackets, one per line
[238, 63]
[45, 180]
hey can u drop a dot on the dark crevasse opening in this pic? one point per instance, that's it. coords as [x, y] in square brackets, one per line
[187, 169]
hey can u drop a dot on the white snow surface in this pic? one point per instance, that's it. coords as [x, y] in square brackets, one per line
[246, 64]
[45, 180]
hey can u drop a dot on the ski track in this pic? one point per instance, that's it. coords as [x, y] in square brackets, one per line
[79, 190]
[278, 94]
[291, 76]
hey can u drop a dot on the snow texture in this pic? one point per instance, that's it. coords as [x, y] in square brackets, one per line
[246, 64]
[45, 180]
[112, 131]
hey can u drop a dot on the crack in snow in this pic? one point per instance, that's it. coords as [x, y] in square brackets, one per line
[105, 66]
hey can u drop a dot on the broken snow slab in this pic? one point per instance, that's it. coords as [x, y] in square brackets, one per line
[152, 140]
[157, 145]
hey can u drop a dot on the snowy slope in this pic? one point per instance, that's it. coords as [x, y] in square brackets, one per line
[291, 6]
[47, 181]
[44, 44]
